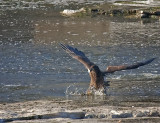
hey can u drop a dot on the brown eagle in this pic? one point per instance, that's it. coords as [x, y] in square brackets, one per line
[96, 75]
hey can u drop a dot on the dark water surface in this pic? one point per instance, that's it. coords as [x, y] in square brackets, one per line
[33, 66]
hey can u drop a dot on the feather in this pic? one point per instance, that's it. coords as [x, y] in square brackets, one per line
[78, 55]
[112, 69]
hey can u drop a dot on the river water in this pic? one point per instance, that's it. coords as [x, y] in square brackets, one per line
[33, 65]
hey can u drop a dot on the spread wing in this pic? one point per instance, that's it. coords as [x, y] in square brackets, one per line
[112, 69]
[78, 55]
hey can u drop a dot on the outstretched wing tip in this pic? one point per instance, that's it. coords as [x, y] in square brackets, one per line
[62, 46]
[154, 58]
[112, 69]
[151, 60]
[76, 54]
[66, 48]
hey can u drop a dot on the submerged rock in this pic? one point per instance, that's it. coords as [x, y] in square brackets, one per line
[154, 113]
[95, 115]
[120, 114]
[102, 116]
[145, 14]
[72, 115]
[141, 114]
[90, 116]
[147, 113]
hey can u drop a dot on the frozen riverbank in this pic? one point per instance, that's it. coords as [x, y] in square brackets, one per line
[69, 111]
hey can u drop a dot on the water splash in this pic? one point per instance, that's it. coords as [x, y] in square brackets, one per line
[74, 90]
[100, 92]
[77, 91]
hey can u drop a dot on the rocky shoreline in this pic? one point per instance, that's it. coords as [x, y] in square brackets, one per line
[124, 9]
[127, 9]
[69, 111]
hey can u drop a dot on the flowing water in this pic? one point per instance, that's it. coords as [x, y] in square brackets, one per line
[33, 65]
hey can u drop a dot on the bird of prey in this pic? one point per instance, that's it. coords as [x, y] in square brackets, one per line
[96, 75]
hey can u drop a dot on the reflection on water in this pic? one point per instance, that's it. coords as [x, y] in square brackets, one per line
[33, 66]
